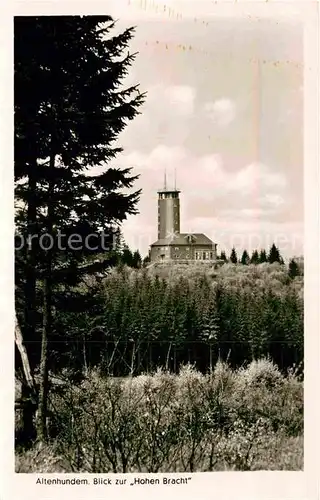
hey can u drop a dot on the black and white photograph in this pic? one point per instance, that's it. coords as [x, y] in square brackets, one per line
[158, 241]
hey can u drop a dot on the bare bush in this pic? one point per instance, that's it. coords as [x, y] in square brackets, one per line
[225, 420]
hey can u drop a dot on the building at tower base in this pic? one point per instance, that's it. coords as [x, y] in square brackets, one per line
[196, 247]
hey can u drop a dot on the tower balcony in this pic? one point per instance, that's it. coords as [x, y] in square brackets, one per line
[168, 193]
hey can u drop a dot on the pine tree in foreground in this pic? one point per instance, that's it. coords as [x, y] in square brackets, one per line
[69, 111]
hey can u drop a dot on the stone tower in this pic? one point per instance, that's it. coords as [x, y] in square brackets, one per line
[168, 211]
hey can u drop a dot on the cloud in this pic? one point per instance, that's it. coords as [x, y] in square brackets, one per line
[158, 160]
[205, 181]
[257, 176]
[254, 212]
[175, 99]
[273, 200]
[206, 177]
[182, 98]
[166, 117]
[222, 112]
[164, 157]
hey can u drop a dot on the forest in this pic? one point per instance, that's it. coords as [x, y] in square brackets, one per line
[148, 318]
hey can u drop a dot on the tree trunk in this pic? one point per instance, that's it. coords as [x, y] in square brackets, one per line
[46, 325]
[133, 357]
[28, 399]
[30, 283]
[150, 359]
[84, 348]
[138, 357]
[44, 372]
[168, 356]
[24, 357]
[110, 361]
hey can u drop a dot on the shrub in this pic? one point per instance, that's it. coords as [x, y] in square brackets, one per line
[227, 419]
[262, 372]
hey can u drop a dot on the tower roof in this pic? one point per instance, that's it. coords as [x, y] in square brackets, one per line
[168, 190]
[198, 239]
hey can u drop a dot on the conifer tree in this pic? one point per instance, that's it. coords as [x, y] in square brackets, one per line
[147, 259]
[136, 259]
[69, 110]
[245, 259]
[210, 329]
[233, 256]
[223, 256]
[254, 257]
[263, 256]
[293, 269]
[274, 255]
[126, 256]
[118, 241]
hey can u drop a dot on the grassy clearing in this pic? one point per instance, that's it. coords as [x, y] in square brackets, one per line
[246, 419]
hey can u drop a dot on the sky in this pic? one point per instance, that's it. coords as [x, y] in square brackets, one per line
[224, 108]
